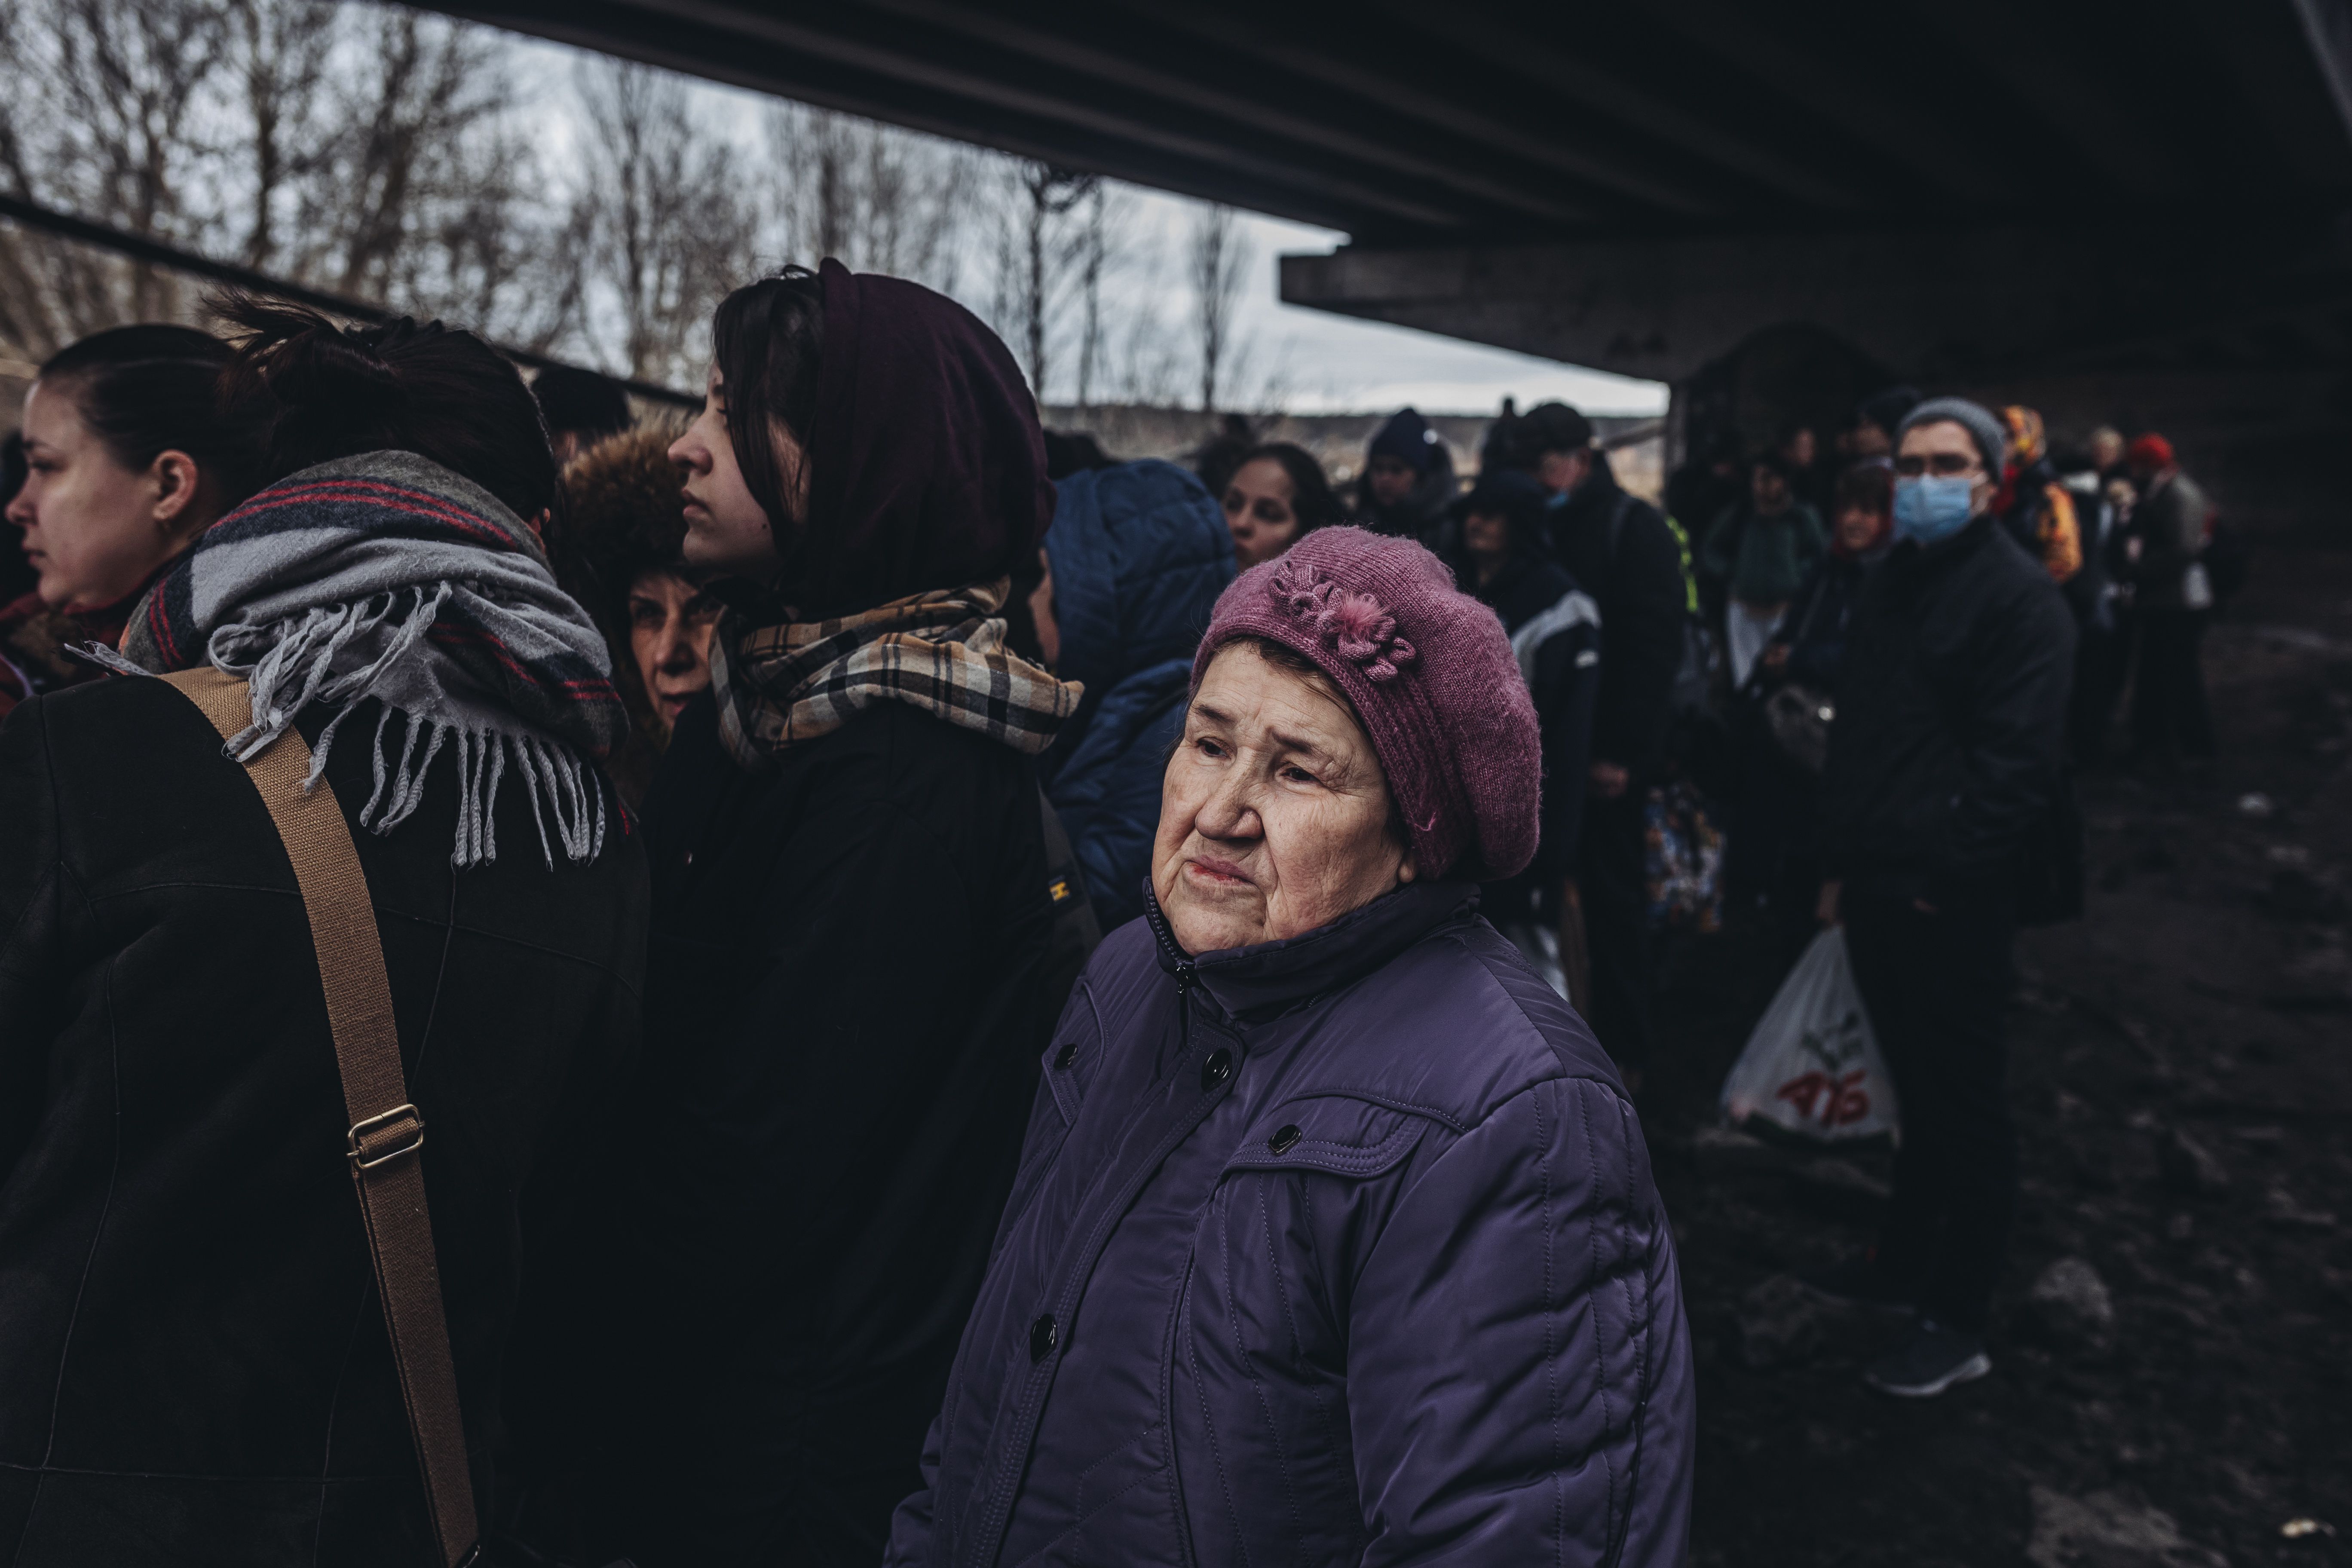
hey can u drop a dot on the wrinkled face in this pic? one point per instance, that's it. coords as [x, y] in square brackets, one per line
[1769, 490]
[1859, 528]
[1274, 816]
[94, 530]
[1258, 509]
[1391, 480]
[727, 533]
[670, 632]
[1487, 534]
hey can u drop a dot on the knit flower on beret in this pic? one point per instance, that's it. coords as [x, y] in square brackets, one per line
[1353, 625]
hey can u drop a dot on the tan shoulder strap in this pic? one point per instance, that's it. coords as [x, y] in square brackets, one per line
[387, 1131]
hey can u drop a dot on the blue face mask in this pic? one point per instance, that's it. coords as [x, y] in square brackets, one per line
[1932, 506]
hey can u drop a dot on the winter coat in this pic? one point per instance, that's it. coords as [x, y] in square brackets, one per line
[1334, 1250]
[1620, 551]
[1764, 560]
[1555, 630]
[1139, 553]
[33, 642]
[2169, 522]
[2040, 517]
[844, 1015]
[193, 1365]
[1945, 752]
[1819, 618]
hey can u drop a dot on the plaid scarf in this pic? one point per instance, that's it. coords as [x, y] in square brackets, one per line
[778, 686]
[386, 575]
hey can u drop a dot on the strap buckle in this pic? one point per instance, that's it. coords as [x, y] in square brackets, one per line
[365, 1157]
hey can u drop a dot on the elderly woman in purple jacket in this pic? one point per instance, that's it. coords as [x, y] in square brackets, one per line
[1334, 1240]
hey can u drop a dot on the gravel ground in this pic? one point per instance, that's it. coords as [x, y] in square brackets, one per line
[2182, 1078]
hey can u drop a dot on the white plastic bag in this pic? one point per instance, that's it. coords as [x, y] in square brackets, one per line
[1812, 1065]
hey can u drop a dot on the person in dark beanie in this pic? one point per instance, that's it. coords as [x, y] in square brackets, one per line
[1620, 551]
[1944, 762]
[195, 1360]
[581, 408]
[852, 924]
[1500, 556]
[1408, 480]
[1336, 1239]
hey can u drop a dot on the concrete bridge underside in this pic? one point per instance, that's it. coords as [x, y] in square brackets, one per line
[2141, 213]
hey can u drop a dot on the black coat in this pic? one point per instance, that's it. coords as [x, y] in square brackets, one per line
[1564, 671]
[1819, 620]
[193, 1363]
[1637, 580]
[1946, 753]
[845, 1013]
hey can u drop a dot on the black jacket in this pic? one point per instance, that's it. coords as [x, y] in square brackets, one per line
[193, 1363]
[1819, 620]
[844, 1016]
[1952, 715]
[1637, 580]
[1556, 632]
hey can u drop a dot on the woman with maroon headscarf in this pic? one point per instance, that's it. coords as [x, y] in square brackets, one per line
[851, 922]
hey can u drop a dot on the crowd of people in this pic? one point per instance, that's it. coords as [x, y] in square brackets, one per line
[973, 1002]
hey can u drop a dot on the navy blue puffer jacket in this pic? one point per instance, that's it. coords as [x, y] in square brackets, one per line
[1337, 1250]
[1139, 553]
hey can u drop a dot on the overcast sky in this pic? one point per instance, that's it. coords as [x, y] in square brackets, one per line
[1307, 361]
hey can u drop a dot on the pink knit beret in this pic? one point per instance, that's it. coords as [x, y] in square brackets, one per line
[1432, 677]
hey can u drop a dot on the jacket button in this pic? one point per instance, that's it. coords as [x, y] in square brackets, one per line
[1064, 1056]
[1284, 1141]
[1216, 1070]
[1041, 1338]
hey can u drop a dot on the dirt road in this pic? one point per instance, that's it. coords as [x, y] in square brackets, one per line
[2183, 1084]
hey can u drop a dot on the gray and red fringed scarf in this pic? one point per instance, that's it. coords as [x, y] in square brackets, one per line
[943, 652]
[386, 575]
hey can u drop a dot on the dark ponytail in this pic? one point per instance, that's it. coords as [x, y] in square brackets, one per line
[149, 389]
[309, 392]
[765, 339]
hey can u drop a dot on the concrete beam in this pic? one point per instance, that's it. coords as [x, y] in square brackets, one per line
[1936, 304]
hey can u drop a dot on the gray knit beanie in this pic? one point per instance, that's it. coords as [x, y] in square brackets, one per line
[1992, 441]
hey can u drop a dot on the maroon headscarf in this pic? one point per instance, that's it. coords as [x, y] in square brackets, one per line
[926, 465]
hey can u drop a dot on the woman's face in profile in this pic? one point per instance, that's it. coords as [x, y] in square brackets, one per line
[94, 530]
[727, 533]
[1258, 509]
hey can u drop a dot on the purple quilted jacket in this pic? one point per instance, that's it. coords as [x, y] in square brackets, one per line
[1337, 1250]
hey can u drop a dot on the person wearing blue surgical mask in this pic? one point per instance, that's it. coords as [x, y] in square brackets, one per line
[1944, 774]
[1941, 480]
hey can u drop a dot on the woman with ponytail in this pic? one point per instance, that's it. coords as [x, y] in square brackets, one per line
[194, 1362]
[127, 459]
[852, 917]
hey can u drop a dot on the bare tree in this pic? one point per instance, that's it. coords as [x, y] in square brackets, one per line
[667, 224]
[374, 153]
[1051, 248]
[876, 198]
[1218, 257]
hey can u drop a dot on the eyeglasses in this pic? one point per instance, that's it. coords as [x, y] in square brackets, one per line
[1945, 464]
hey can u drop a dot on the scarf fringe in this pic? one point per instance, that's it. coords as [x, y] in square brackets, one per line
[297, 669]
